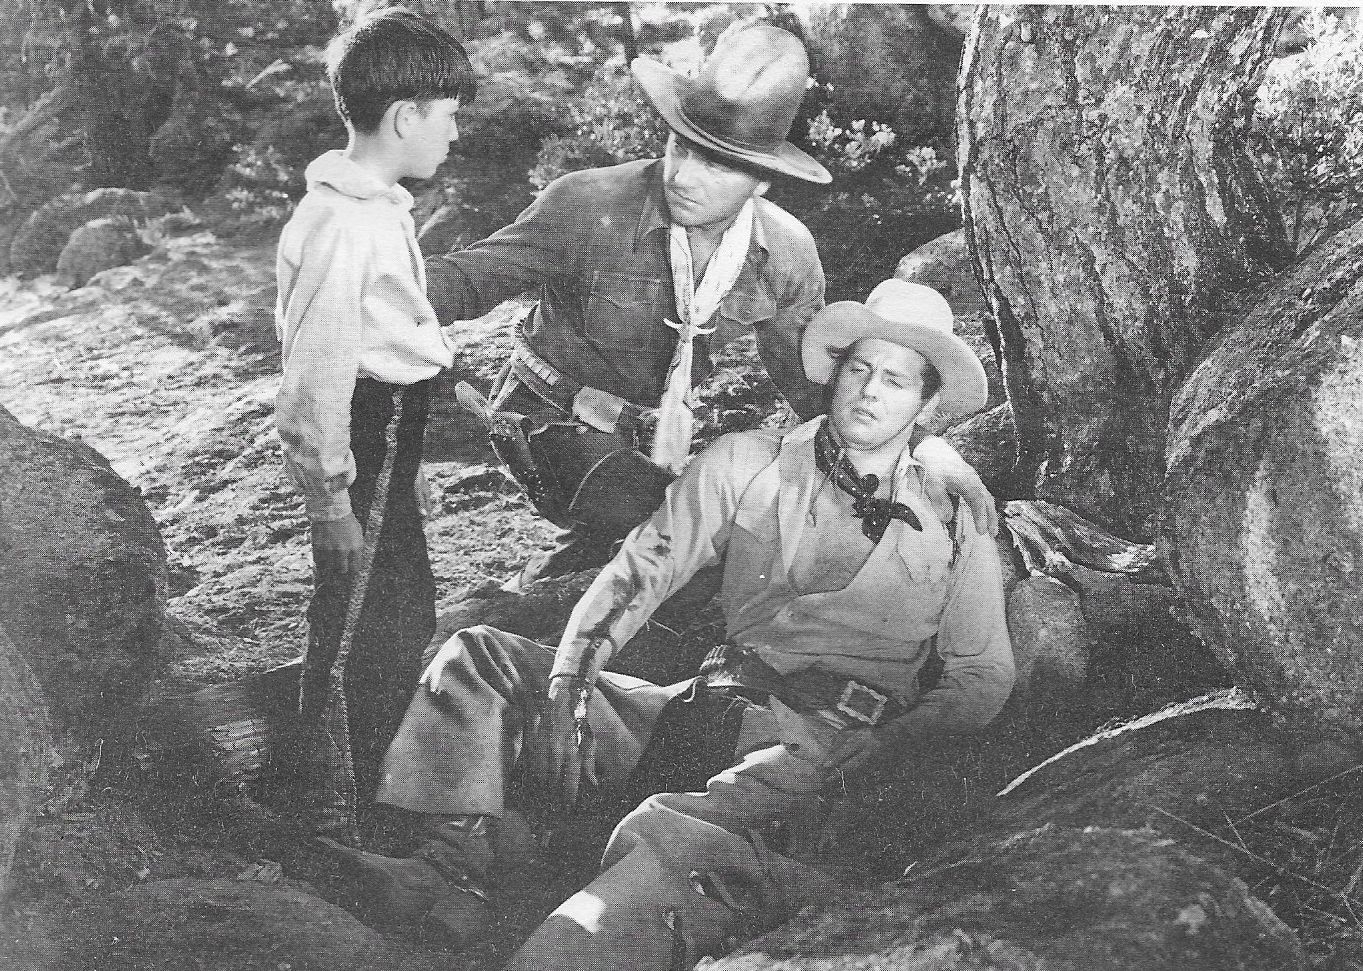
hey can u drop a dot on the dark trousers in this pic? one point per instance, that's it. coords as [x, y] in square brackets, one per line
[397, 621]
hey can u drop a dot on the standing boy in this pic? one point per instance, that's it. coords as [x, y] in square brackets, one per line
[360, 345]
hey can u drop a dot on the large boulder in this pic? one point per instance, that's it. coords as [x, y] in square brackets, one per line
[1045, 899]
[83, 570]
[886, 62]
[1146, 831]
[40, 240]
[945, 265]
[1052, 644]
[25, 743]
[229, 925]
[1264, 530]
[989, 442]
[99, 245]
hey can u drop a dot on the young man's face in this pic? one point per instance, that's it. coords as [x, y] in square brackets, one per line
[428, 129]
[877, 395]
[703, 192]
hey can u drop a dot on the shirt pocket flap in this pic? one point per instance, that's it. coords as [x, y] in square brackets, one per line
[623, 304]
[747, 308]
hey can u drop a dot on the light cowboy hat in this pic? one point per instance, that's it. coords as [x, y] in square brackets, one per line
[744, 102]
[910, 315]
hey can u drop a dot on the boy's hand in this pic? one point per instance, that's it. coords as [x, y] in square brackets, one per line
[336, 546]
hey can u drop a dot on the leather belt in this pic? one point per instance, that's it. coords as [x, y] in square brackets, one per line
[559, 389]
[811, 690]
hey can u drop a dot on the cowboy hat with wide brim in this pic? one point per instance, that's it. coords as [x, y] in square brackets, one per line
[744, 102]
[910, 315]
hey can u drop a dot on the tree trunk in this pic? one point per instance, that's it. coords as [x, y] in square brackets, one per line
[1111, 207]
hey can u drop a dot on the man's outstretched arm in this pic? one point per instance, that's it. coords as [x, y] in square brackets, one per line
[688, 532]
[467, 283]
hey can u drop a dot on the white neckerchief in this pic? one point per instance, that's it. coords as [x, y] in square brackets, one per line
[695, 307]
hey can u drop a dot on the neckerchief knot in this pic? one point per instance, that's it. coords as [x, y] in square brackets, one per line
[875, 514]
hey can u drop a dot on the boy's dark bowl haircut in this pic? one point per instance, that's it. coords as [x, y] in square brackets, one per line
[395, 55]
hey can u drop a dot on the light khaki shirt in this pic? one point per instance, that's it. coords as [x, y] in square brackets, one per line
[747, 500]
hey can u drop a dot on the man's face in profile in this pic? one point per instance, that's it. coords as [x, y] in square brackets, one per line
[702, 191]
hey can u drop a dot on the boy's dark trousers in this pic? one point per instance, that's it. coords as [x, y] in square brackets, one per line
[397, 620]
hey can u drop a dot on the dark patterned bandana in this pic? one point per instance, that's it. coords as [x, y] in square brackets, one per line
[875, 514]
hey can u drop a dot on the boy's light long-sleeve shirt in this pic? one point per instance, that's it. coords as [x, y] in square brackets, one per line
[352, 303]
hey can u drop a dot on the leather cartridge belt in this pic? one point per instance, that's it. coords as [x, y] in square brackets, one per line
[811, 690]
[558, 389]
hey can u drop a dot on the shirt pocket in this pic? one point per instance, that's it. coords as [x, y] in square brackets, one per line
[623, 309]
[740, 311]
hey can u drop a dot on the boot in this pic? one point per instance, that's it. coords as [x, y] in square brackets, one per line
[434, 888]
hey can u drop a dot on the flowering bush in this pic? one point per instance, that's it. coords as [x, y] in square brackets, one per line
[259, 186]
[848, 149]
[1308, 129]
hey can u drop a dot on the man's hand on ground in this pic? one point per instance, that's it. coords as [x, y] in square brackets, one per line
[557, 763]
[336, 546]
[858, 751]
[946, 474]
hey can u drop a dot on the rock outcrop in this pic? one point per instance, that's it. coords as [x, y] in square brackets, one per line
[39, 242]
[1131, 849]
[230, 925]
[100, 244]
[1047, 899]
[25, 744]
[890, 63]
[83, 570]
[944, 264]
[1264, 533]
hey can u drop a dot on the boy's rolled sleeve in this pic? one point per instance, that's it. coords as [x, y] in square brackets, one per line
[321, 361]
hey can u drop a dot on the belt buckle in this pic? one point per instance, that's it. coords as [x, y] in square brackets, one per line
[862, 703]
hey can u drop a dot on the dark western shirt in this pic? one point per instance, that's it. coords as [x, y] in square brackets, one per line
[594, 247]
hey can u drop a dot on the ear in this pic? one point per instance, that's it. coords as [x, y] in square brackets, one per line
[400, 116]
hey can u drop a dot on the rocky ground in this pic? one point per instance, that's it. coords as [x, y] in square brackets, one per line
[168, 367]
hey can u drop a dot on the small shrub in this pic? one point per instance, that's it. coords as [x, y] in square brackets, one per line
[261, 187]
[611, 122]
[1308, 129]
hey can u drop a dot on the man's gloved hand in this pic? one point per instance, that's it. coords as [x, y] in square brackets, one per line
[946, 474]
[562, 753]
[336, 546]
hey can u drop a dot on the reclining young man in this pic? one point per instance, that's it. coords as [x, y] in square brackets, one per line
[839, 582]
